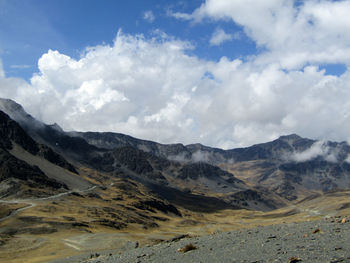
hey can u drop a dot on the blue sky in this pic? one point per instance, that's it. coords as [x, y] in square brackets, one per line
[29, 28]
[225, 73]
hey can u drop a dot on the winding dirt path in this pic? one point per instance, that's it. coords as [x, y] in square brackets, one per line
[31, 202]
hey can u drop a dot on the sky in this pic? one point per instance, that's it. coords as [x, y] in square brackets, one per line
[224, 73]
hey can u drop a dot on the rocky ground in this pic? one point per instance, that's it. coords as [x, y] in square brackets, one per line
[325, 240]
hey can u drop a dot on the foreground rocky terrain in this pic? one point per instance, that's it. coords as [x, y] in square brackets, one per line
[323, 241]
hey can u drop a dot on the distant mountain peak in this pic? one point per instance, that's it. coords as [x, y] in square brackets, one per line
[10, 105]
[56, 127]
[289, 137]
[16, 112]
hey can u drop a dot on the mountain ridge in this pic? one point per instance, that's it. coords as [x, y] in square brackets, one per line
[287, 165]
[284, 165]
[107, 186]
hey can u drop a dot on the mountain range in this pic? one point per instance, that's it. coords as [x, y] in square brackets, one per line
[118, 181]
[289, 166]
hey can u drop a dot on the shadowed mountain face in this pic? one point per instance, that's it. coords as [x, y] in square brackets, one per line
[94, 184]
[157, 166]
[291, 165]
[18, 177]
[288, 167]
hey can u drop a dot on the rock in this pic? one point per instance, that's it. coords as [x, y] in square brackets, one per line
[294, 260]
[317, 230]
[337, 260]
[187, 248]
[177, 238]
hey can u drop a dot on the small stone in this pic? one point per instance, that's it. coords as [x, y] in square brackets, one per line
[337, 260]
[294, 260]
[317, 230]
[187, 248]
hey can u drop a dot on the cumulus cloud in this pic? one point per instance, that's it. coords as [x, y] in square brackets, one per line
[13, 87]
[152, 88]
[294, 34]
[219, 36]
[149, 16]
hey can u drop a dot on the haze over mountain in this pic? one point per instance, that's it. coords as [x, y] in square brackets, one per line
[289, 166]
[115, 181]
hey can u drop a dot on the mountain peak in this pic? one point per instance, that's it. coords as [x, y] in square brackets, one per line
[10, 105]
[16, 112]
[56, 127]
[290, 137]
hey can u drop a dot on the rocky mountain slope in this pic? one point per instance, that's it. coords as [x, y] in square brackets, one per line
[290, 166]
[84, 185]
[18, 178]
[154, 165]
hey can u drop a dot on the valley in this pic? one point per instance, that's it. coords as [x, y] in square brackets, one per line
[65, 194]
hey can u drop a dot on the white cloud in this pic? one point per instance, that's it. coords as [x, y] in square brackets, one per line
[200, 156]
[149, 16]
[347, 159]
[153, 89]
[318, 149]
[150, 88]
[219, 36]
[179, 15]
[312, 32]
[2, 72]
[20, 66]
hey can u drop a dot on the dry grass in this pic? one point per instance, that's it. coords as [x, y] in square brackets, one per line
[45, 247]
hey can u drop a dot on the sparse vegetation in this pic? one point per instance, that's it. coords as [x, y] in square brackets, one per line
[136, 193]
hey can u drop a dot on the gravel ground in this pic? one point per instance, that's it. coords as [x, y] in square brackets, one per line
[326, 240]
